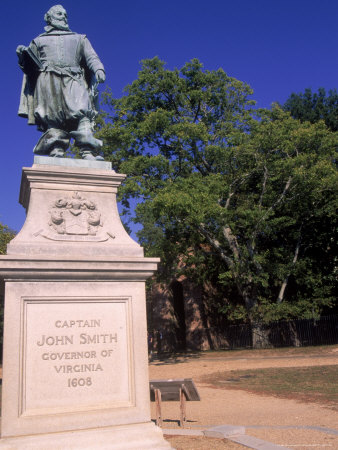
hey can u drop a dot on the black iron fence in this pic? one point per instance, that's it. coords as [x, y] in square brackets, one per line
[291, 333]
[284, 333]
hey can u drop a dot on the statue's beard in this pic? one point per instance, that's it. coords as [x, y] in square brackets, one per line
[59, 24]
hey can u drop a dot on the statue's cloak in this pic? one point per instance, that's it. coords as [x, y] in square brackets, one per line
[58, 90]
[26, 106]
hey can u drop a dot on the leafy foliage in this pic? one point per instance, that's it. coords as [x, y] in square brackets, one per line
[314, 106]
[6, 235]
[241, 201]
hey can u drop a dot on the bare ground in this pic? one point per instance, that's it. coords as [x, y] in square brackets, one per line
[281, 421]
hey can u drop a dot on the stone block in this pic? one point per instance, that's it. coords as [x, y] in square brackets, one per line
[224, 431]
[75, 367]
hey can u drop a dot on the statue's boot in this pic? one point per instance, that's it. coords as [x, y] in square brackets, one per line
[53, 142]
[86, 142]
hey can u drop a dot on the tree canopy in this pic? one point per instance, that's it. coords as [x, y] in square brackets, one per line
[6, 235]
[239, 199]
[314, 106]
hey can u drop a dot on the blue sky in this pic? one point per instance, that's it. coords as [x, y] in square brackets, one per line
[277, 46]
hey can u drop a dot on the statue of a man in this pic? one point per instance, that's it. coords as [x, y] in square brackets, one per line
[59, 89]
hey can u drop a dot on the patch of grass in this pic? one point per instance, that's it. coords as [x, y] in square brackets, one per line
[310, 384]
[283, 352]
[318, 351]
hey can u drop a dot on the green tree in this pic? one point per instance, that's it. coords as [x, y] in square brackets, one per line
[6, 235]
[230, 196]
[314, 106]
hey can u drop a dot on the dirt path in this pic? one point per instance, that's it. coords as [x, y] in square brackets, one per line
[281, 421]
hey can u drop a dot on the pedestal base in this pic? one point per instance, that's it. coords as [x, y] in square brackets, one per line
[75, 365]
[136, 436]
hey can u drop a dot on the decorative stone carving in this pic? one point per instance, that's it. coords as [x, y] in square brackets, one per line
[75, 219]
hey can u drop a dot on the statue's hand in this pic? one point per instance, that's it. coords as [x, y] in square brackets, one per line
[100, 76]
[20, 49]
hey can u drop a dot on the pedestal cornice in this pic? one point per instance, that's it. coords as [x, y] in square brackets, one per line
[63, 178]
[79, 269]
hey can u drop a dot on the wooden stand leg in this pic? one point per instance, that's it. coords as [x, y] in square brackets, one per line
[158, 407]
[183, 415]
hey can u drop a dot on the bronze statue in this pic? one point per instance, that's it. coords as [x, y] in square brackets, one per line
[59, 92]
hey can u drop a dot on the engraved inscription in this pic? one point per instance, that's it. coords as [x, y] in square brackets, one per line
[77, 323]
[55, 340]
[82, 339]
[82, 345]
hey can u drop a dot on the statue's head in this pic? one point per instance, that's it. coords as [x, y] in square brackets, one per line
[56, 17]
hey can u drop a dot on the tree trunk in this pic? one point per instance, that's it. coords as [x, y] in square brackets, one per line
[260, 335]
[294, 335]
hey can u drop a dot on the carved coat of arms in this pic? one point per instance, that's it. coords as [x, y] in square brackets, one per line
[75, 215]
[74, 219]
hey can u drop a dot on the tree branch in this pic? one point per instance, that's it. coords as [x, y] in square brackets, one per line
[239, 182]
[232, 241]
[279, 200]
[283, 194]
[198, 110]
[280, 297]
[216, 245]
[265, 179]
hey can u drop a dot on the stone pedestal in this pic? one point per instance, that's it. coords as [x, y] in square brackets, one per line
[75, 369]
